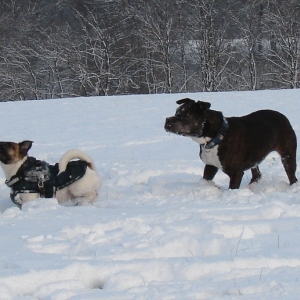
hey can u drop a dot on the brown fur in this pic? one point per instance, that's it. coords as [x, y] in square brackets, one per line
[248, 141]
[14, 151]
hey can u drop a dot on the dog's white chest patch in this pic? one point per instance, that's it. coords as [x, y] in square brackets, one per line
[210, 157]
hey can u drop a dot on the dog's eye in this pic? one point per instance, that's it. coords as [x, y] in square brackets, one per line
[178, 116]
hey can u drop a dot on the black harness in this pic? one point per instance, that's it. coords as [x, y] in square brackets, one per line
[36, 176]
[219, 137]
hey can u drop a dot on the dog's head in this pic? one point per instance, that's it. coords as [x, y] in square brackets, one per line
[11, 152]
[189, 118]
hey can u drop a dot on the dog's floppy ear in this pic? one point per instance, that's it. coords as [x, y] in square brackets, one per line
[185, 101]
[204, 105]
[24, 147]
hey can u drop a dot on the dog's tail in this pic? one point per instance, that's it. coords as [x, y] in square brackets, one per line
[73, 154]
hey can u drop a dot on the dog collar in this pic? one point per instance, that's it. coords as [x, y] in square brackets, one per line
[219, 137]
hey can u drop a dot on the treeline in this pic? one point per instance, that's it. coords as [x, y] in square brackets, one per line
[68, 48]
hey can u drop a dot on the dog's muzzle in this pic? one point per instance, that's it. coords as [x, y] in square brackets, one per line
[176, 125]
[169, 124]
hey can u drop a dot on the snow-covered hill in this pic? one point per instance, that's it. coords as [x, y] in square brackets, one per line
[157, 230]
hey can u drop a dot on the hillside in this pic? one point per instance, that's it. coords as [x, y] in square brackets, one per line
[157, 231]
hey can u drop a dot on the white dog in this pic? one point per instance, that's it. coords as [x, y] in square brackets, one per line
[30, 178]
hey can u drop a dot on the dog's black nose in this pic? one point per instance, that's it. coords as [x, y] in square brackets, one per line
[168, 124]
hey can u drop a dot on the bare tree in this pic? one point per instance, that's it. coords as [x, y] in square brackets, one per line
[18, 74]
[249, 21]
[156, 22]
[283, 26]
[208, 27]
[183, 70]
[102, 49]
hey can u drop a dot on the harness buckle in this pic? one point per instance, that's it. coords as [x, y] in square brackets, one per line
[41, 186]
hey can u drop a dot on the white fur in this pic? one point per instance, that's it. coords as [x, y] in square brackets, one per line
[11, 169]
[208, 156]
[201, 140]
[72, 154]
[84, 190]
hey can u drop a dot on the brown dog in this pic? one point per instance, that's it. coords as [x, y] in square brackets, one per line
[238, 143]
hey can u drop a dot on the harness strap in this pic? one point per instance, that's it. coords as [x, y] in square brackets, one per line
[12, 180]
[29, 163]
[219, 137]
[39, 177]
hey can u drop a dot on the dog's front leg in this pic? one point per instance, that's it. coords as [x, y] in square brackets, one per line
[235, 179]
[209, 172]
[22, 198]
[256, 175]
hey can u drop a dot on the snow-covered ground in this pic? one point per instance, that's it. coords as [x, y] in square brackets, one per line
[157, 231]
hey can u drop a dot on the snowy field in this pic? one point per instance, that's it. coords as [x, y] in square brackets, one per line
[157, 230]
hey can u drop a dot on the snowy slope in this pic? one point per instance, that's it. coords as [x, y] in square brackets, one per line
[157, 231]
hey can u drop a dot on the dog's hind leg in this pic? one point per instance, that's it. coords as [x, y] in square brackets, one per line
[289, 163]
[256, 175]
[287, 150]
[85, 199]
[209, 172]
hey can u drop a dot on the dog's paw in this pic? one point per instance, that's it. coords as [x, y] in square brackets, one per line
[18, 200]
[80, 201]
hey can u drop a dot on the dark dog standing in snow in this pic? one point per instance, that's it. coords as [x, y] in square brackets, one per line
[30, 178]
[235, 144]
